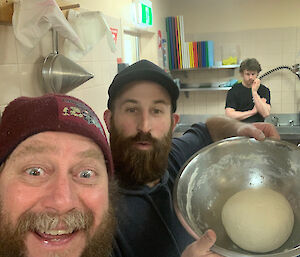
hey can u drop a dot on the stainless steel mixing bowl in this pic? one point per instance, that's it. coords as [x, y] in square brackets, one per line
[226, 167]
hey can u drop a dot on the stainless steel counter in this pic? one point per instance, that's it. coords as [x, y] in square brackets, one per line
[290, 133]
[288, 125]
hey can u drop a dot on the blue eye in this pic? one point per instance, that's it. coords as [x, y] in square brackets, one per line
[86, 174]
[35, 171]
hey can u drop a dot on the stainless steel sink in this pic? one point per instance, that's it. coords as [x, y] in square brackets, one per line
[288, 125]
[288, 130]
[287, 133]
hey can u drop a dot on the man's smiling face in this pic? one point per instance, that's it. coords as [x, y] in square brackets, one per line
[54, 198]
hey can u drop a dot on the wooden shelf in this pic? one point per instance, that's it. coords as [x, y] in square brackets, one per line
[7, 9]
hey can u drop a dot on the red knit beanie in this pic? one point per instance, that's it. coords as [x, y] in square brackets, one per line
[26, 116]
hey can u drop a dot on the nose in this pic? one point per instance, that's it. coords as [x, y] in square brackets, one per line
[144, 123]
[61, 195]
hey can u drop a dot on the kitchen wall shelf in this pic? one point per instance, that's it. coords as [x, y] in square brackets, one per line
[208, 68]
[204, 89]
[214, 86]
[184, 72]
[196, 89]
[7, 9]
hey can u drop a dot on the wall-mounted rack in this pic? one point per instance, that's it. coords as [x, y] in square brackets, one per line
[7, 9]
[233, 66]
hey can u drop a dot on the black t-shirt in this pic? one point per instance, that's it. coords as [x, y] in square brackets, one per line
[240, 98]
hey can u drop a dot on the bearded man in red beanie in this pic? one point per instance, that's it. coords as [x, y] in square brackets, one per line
[56, 180]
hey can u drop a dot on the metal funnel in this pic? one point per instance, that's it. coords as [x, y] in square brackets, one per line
[61, 75]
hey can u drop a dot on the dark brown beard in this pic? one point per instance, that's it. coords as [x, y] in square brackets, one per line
[99, 245]
[135, 167]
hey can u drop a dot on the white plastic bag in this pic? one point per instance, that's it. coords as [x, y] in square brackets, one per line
[91, 27]
[32, 19]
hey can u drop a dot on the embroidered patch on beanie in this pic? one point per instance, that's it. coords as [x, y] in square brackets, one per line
[26, 116]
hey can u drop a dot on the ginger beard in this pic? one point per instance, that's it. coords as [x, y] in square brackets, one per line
[12, 237]
[134, 167]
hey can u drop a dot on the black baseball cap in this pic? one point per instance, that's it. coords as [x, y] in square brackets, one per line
[143, 70]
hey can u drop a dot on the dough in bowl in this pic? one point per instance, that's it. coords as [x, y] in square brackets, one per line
[258, 220]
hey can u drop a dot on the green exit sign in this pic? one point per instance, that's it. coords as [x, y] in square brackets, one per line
[145, 16]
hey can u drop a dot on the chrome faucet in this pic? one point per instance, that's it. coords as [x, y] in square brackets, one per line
[275, 120]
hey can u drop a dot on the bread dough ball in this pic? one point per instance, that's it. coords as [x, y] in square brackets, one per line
[258, 220]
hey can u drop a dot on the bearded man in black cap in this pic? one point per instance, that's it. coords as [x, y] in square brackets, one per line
[141, 118]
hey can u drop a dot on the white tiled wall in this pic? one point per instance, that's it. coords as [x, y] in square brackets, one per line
[271, 47]
[20, 73]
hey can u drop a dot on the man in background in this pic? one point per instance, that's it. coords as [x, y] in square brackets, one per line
[57, 190]
[141, 118]
[248, 101]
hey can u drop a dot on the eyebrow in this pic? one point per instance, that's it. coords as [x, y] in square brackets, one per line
[34, 147]
[40, 147]
[129, 101]
[92, 153]
[136, 102]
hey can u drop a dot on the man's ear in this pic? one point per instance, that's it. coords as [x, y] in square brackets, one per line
[176, 118]
[107, 117]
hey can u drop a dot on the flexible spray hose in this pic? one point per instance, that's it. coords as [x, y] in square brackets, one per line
[293, 69]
